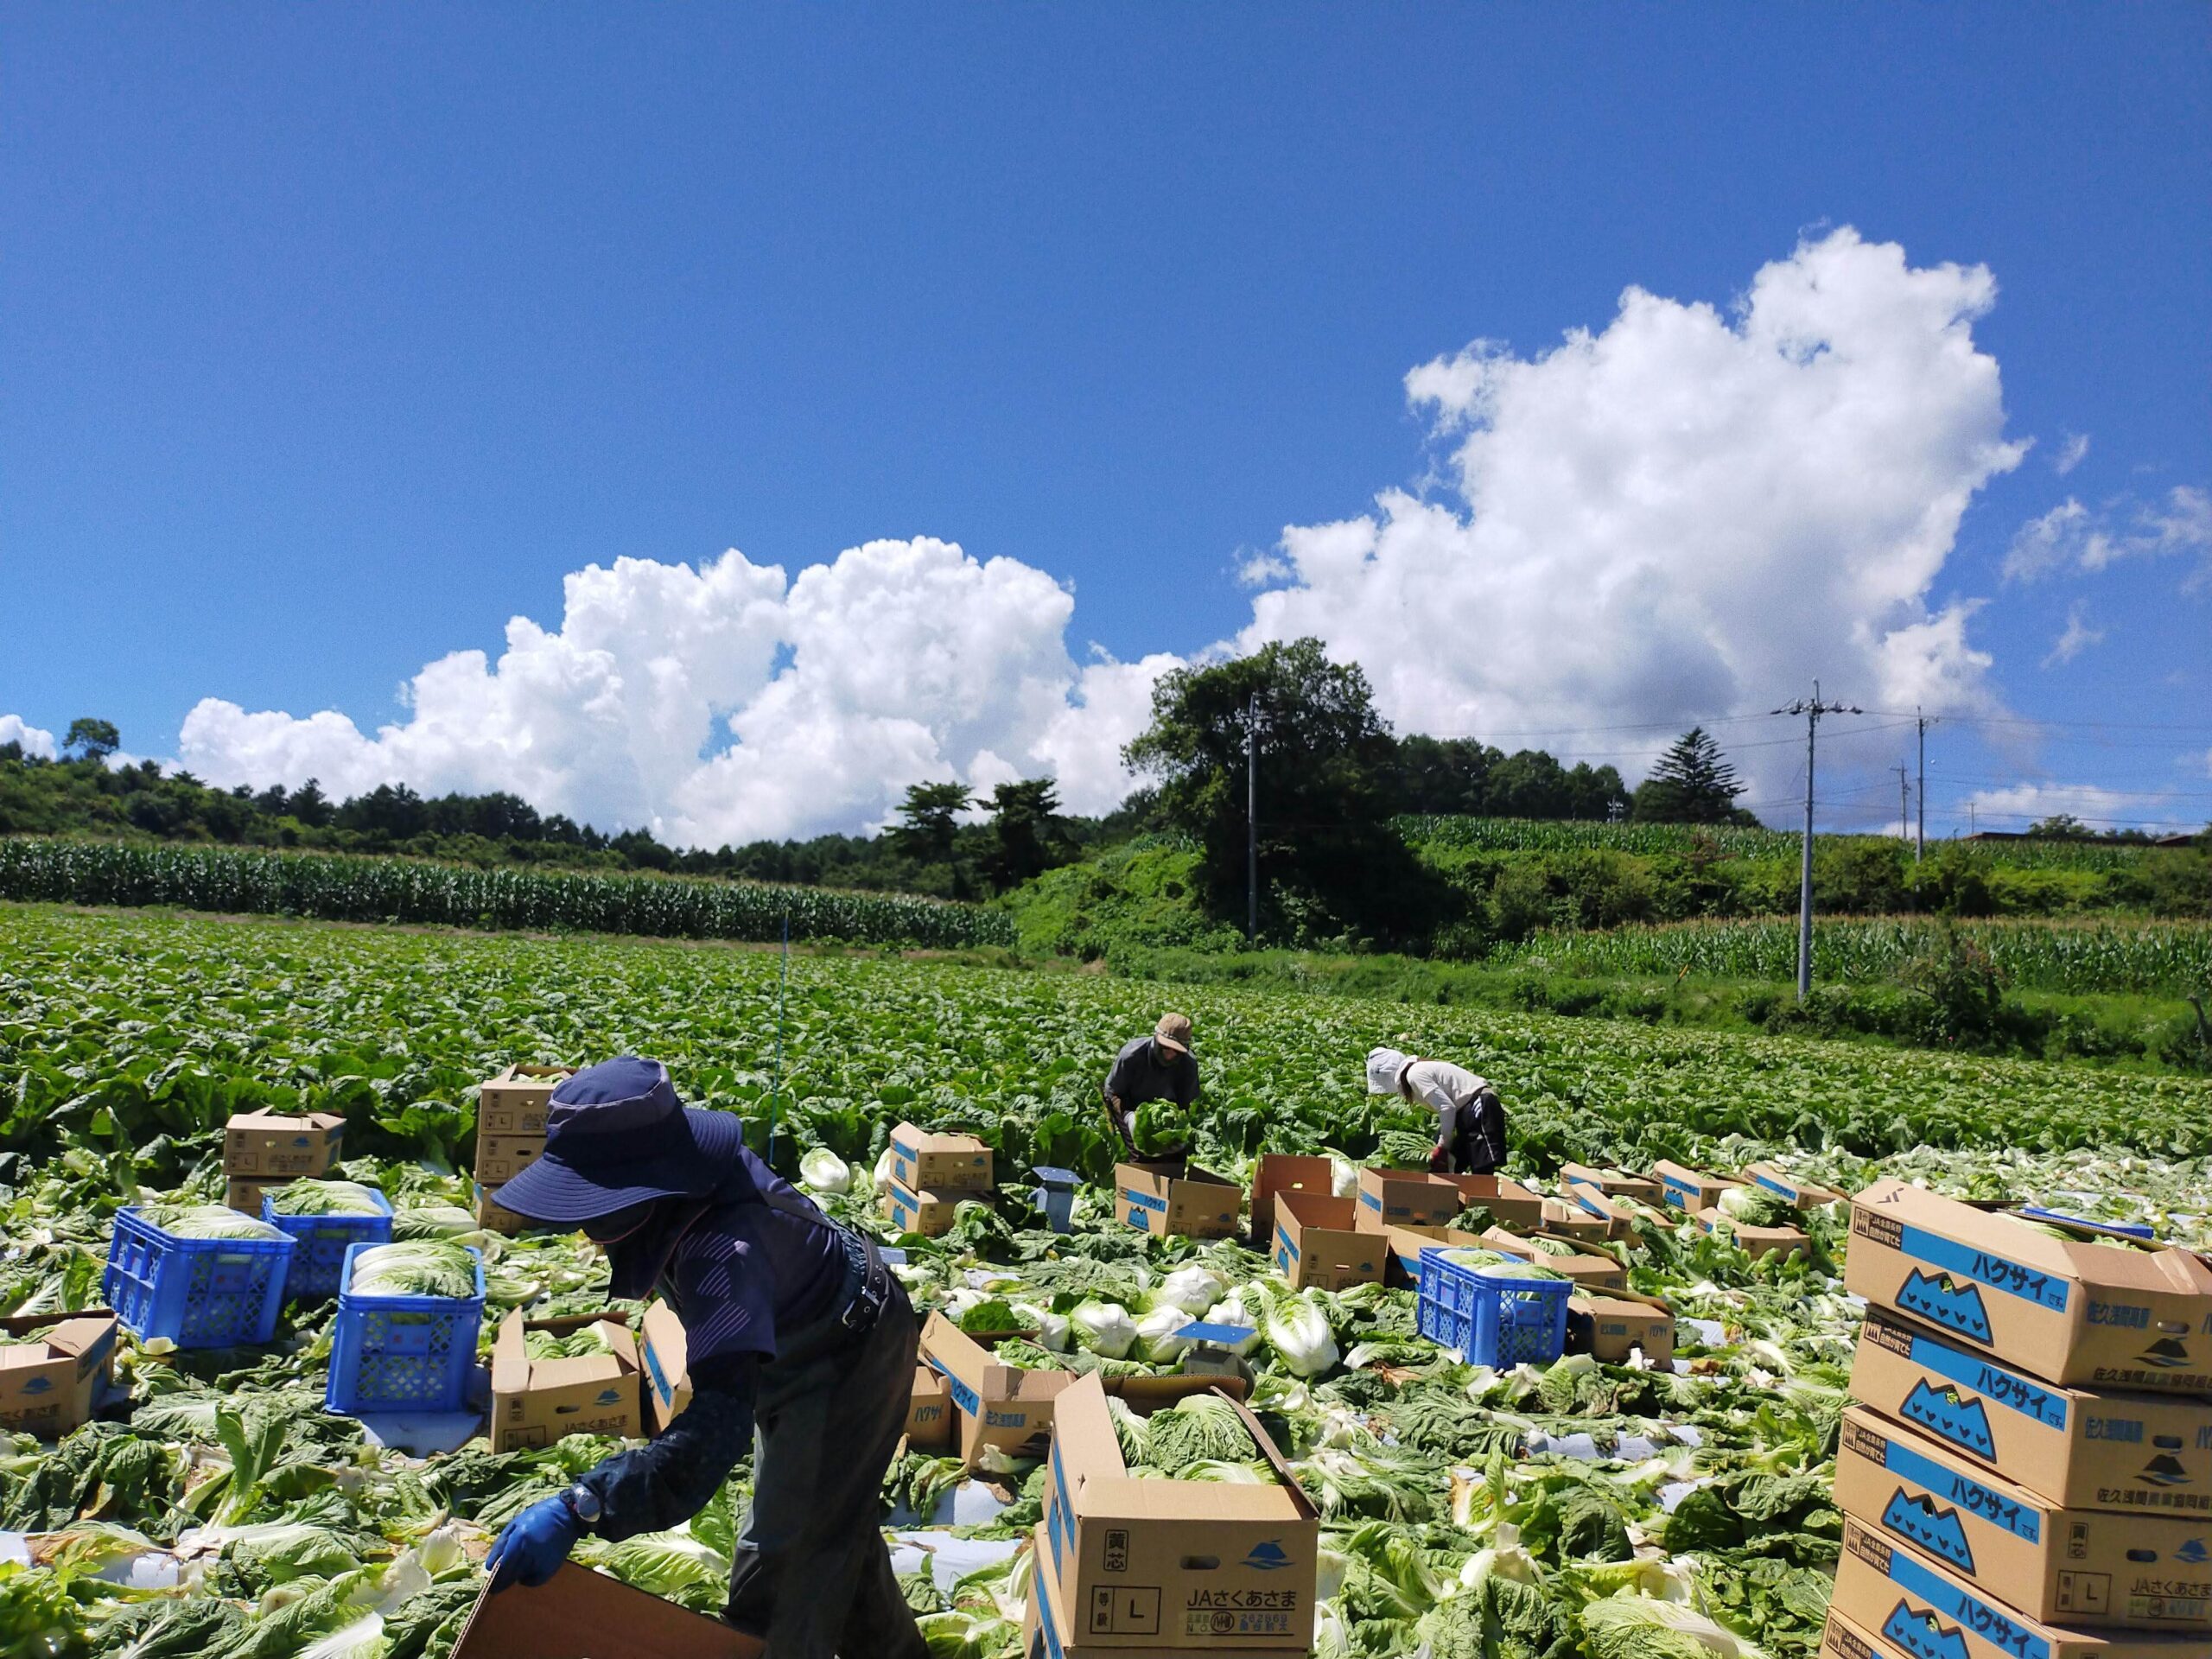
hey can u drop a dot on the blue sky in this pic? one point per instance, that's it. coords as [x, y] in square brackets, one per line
[333, 339]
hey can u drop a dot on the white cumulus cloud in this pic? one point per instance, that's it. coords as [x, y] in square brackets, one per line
[2017, 807]
[2071, 536]
[2070, 454]
[1684, 514]
[1688, 512]
[35, 739]
[2078, 637]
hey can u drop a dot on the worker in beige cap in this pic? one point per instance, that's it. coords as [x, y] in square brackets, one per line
[1158, 1067]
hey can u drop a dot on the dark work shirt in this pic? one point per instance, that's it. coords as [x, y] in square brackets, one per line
[743, 1272]
[1137, 1077]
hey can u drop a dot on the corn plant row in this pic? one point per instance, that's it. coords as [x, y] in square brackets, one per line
[335, 887]
[2159, 958]
[1732, 841]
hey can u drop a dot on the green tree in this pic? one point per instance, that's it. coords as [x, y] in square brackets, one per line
[928, 829]
[92, 740]
[1692, 783]
[1027, 835]
[1329, 861]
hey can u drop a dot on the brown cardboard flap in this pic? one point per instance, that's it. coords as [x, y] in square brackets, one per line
[580, 1614]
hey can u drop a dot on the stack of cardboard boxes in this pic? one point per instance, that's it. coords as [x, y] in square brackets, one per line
[511, 1112]
[266, 1149]
[931, 1176]
[2027, 1467]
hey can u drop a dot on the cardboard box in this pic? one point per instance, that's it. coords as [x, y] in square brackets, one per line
[1406, 1244]
[2071, 1567]
[48, 1386]
[2139, 1453]
[1048, 1631]
[1174, 1564]
[500, 1158]
[1176, 1200]
[1563, 1219]
[1001, 1406]
[1912, 1603]
[2068, 1310]
[581, 1614]
[1617, 1184]
[1317, 1243]
[939, 1163]
[267, 1146]
[495, 1217]
[664, 1354]
[515, 1100]
[930, 1214]
[1407, 1198]
[1806, 1195]
[1509, 1202]
[1588, 1272]
[536, 1401]
[245, 1196]
[1757, 1243]
[1610, 1326]
[1681, 1187]
[928, 1418]
[1280, 1172]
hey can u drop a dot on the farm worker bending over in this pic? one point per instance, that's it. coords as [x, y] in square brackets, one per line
[1148, 1069]
[1469, 1118]
[795, 1333]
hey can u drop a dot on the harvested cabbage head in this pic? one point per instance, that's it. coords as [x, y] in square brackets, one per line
[823, 1170]
[313, 1198]
[1105, 1328]
[414, 1267]
[1754, 1206]
[207, 1221]
[1200, 1427]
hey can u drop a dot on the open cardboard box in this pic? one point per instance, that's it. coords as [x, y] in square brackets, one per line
[1317, 1243]
[1757, 1243]
[922, 1162]
[581, 1614]
[1615, 1183]
[273, 1145]
[1610, 1325]
[1283, 1172]
[1176, 1200]
[2068, 1567]
[517, 1100]
[536, 1401]
[1806, 1195]
[1564, 1218]
[48, 1386]
[1509, 1202]
[1915, 1607]
[1407, 1198]
[1406, 1244]
[2071, 1309]
[929, 1416]
[1001, 1406]
[1695, 1190]
[1587, 1270]
[1169, 1564]
[2137, 1454]
[664, 1354]
[1050, 1631]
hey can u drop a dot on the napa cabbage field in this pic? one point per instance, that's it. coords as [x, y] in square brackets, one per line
[1576, 1508]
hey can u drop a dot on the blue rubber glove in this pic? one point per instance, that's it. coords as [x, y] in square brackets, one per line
[530, 1547]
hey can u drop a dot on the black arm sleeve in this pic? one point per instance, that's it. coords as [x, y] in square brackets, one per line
[1186, 1080]
[1116, 1086]
[666, 1481]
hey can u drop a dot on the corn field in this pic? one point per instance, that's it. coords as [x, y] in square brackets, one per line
[333, 888]
[1731, 841]
[2160, 958]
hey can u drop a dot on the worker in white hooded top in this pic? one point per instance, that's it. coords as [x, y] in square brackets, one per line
[1470, 1118]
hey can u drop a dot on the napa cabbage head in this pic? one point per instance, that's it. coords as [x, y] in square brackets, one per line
[208, 1221]
[823, 1170]
[415, 1267]
[1298, 1330]
[1104, 1328]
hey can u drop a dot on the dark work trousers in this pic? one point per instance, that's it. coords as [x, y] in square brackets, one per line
[813, 1576]
[1479, 1137]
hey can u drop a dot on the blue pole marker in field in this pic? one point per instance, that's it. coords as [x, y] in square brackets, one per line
[775, 1094]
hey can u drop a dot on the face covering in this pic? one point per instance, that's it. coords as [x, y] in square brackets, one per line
[619, 1223]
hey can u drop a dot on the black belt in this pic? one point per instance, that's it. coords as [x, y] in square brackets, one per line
[869, 1284]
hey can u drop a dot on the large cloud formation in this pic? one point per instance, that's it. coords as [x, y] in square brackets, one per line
[1686, 515]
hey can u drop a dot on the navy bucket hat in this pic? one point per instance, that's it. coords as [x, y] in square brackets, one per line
[615, 1135]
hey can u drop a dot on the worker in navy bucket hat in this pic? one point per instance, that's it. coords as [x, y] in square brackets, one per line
[799, 1344]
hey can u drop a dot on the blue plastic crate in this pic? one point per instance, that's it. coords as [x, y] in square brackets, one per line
[319, 1263]
[198, 1293]
[1494, 1319]
[402, 1353]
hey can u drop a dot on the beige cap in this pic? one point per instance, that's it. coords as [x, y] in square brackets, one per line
[1174, 1032]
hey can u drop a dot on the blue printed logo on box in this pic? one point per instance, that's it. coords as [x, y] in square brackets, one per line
[1954, 1307]
[1268, 1557]
[1917, 1633]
